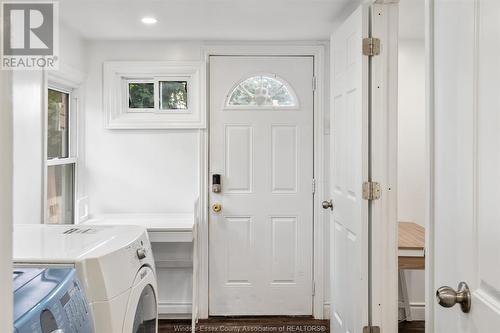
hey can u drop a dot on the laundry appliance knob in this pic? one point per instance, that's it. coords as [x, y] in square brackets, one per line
[141, 253]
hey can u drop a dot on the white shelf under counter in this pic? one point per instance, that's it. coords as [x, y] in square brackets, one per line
[170, 228]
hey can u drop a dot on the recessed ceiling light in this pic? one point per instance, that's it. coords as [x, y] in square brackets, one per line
[149, 20]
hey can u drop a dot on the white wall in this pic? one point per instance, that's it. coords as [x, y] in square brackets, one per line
[6, 202]
[142, 171]
[411, 150]
[29, 121]
[28, 118]
[137, 171]
[411, 122]
[72, 49]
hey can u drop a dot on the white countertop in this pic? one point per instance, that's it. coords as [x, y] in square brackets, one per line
[156, 224]
[45, 243]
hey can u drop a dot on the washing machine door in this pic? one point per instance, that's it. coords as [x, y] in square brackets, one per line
[142, 308]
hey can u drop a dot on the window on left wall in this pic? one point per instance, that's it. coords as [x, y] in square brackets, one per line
[61, 163]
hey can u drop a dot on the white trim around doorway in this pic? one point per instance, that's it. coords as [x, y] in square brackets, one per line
[317, 50]
[385, 165]
[384, 146]
[429, 114]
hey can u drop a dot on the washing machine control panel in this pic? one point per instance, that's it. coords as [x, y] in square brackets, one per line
[75, 307]
[50, 300]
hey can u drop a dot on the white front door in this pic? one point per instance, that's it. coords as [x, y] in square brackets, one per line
[467, 163]
[261, 145]
[349, 168]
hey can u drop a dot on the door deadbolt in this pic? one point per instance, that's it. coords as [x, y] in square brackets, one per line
[216, 184]
[448, 297]
[216, 207]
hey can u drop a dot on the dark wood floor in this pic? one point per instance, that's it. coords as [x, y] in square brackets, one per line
[412, 327]
[248, 324]
[266, 325]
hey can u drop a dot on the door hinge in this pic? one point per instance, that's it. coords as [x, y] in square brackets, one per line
[371, 329]
[314, 83]
[314, 289]
[371, 46]
[314, 186]
[371, 190]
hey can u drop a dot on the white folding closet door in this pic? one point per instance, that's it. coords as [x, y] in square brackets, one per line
[349, 168]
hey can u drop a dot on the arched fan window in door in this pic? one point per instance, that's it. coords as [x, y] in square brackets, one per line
[265, 91]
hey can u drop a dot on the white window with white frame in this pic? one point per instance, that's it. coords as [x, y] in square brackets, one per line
[61, 158]
[154, 95]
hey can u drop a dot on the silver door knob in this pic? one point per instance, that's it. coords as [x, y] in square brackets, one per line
[327, 204]
[448, 297]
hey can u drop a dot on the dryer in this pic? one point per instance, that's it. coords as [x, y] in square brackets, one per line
[114, 263]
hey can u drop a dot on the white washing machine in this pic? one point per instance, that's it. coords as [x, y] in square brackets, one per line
[114, 263]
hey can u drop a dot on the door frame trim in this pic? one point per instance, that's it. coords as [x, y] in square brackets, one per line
[6, 204]
[429, 186]
[384, 146]
[317, 50]
[386, 316]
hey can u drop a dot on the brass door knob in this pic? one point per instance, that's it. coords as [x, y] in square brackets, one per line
[216, 207]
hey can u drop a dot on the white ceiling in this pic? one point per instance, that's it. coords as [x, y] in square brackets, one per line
[412, 19]
[206, 19]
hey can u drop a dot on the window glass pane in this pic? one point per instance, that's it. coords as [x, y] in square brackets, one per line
[261, 91]
[241, 97]
[141, 95]
[173, 95]
[57, 125]
[60, 193]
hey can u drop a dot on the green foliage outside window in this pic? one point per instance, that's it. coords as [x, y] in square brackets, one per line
[141, 95]
[173, 95]
[57, 124]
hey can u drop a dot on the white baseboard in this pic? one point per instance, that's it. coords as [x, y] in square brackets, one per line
[326, 311]
[417, 311]
[174, 310]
